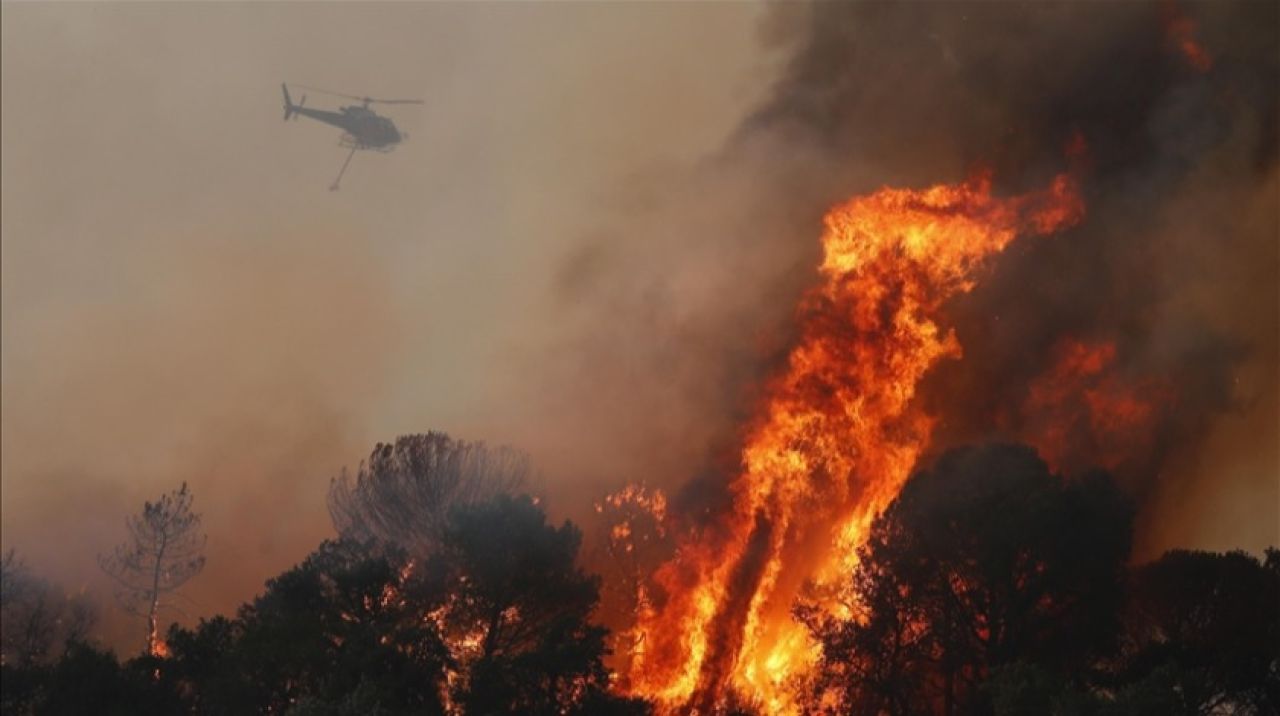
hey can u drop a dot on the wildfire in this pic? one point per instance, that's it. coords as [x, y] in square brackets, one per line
[637, 516]
[833, 440]
[1180, 32]
[1082, 405]
[160, 648]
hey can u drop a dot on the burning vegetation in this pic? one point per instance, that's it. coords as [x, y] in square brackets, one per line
[935, 490]
[836, 437]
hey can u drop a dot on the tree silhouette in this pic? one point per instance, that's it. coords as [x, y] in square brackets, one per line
[89, 680]
[1202, 634]
[496, 620]
[404, 492]
[343, 627]
[514, 606]
[36, 616]
[163, 552]
[984, 560]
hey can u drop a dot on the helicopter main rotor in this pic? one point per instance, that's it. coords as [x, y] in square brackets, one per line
[365, 100]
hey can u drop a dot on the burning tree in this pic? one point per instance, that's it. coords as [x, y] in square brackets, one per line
[633, 541]
[163, 552]
[495, 620]
[514, 608]
[404, 492]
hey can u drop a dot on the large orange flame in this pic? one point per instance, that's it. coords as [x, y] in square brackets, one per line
[834, 439]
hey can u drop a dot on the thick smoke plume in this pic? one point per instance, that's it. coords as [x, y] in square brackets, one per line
[1169, 111]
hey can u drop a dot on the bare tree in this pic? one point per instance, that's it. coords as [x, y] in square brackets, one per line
[164, 551]
[405, 491]
[35, 615]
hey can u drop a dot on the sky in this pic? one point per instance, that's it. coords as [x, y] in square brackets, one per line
[184, 300]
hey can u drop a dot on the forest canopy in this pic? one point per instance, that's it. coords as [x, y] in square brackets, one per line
[991, 585]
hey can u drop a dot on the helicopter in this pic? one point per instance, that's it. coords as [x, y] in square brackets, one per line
[363, 128]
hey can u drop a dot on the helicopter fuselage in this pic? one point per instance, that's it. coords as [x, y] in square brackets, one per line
[364, 127]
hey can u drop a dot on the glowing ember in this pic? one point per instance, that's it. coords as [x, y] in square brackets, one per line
[160, 648]
[833, 441]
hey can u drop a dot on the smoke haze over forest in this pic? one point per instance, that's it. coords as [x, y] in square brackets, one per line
[591, 248]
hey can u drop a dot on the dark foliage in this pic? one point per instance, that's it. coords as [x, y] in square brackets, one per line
[1202, 634]
[496, 621]
[342, 627]
[86, 680]
[985, 560]
[990, 586]
[512, 595]
[36, 617]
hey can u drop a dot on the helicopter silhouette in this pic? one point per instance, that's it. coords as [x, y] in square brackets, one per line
[363, 129]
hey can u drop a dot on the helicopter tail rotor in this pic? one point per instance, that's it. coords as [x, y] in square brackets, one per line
[288, 103]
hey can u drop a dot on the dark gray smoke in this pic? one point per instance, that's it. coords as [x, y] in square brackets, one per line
[1175, 264]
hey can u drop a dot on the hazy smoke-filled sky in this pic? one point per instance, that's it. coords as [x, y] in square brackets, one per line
[183, 299]
[592, 245]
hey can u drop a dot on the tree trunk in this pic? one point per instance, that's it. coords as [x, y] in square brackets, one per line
[153, 610]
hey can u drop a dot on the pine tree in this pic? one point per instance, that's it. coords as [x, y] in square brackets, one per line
[164, 551]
